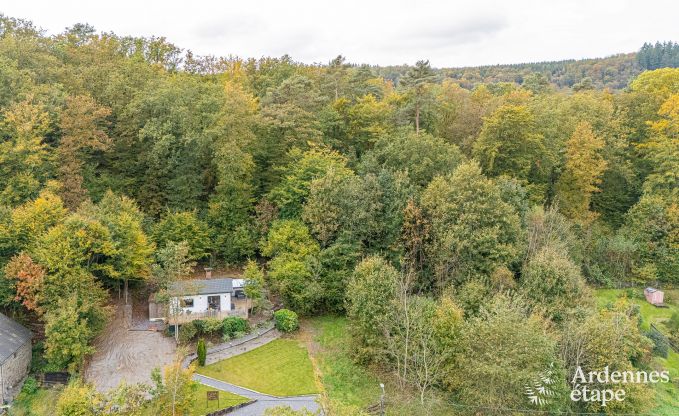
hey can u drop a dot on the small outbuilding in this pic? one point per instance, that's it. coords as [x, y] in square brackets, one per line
[654, 296]
[15, 357]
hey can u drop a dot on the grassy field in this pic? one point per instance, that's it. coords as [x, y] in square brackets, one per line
[649, 313]
[355, 386]
[39, 404]
[667, 394]
[343, 379]
[280, 368]
[203, 407]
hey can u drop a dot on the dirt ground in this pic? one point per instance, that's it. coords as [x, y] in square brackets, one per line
[128, 355]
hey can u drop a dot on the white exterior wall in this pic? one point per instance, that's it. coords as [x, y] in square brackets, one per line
[200, 304]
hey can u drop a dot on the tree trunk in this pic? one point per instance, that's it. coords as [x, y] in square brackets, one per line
[126, 291]
[417, 119]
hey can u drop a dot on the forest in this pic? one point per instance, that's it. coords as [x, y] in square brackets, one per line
[460, 219]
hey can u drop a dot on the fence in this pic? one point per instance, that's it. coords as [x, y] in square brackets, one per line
[188, 317]
[674, 346]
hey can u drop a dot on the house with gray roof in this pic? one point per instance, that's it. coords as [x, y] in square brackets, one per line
[198, 299]
[15, 357]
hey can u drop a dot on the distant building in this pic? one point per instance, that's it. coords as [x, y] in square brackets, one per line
[654, 296]
[15, 357]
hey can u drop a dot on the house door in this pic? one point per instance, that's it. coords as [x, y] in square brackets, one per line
[214, 303]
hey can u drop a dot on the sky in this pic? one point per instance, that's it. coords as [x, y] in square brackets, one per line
[450, 33]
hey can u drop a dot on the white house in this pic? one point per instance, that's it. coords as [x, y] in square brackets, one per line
[202, 298]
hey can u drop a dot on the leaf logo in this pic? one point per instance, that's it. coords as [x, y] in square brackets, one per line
[538, 391]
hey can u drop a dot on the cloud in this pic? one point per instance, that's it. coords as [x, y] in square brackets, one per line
[464, 32]
[226, 27]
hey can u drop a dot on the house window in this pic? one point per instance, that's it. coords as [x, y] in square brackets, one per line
[188, 303]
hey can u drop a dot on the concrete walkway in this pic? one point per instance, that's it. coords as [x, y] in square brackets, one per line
[264, 401]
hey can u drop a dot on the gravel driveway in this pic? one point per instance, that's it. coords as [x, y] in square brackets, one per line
[127, 355]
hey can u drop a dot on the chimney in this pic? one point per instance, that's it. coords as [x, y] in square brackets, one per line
[208, 272]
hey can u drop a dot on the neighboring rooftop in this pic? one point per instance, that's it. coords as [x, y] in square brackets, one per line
[12, 336]
[203, 286]
[651, 289]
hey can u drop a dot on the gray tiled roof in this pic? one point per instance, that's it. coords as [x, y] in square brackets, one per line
[12, 336]
[203, 287]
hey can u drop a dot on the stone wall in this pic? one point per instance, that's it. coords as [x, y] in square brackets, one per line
[14, 371]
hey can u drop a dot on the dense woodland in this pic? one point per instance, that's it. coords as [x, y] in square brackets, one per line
[451, 214]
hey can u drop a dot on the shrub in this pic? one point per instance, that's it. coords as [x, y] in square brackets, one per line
[200, 326]
[673, 323]
[201, 352]
[286, 320]
[660, 344]
[233, 325]
[187, 332]
[30, 386]
[212, 326]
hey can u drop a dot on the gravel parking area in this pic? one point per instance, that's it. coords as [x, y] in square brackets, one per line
[127, 355]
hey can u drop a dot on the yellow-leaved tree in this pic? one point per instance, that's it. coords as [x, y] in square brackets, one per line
[582, 174]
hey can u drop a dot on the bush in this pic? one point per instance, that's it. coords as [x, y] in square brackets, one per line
[201, 352]
[233, 325]
[212, 326]
[200, 326]
[30, 386]
[660, 344]
[286, 320]
[673, 323]
[187, 332]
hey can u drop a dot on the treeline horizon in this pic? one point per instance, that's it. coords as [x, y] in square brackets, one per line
[462, 217]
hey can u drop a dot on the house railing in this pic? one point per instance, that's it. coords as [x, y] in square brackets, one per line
[188, 316]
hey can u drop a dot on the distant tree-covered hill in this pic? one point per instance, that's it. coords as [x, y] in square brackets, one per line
[612, 72]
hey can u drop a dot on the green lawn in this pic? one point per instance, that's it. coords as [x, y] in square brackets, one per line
[356, 386]
[666, 393]
[343, 379]
[203, 407]
[281, 368]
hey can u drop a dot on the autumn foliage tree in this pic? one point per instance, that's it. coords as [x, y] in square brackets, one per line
[83, 124]
[582, 174]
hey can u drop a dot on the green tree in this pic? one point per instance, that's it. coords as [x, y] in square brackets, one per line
[231, 203]
[371, 294]
[291, 193]
[550, 280]
[174, 391]
[417, 84]
[184, 226]
[68, 333]
[618, 344]
[254, 285]
[131, 254]
[29, 221]
[510, 144]
[293, 252]
[503, 350]
[78, 399]
[652, 224]
[473, 230]
[201, 352]
[422, 156]
[25, 157]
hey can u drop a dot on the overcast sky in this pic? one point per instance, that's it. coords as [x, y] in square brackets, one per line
[448, 33]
